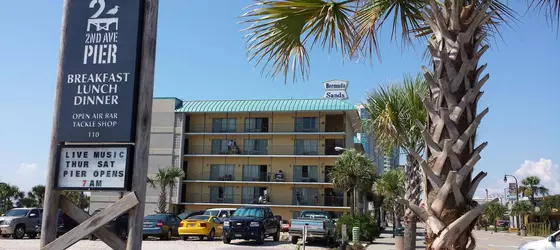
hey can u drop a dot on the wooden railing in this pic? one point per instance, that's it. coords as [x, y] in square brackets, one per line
[539, 229]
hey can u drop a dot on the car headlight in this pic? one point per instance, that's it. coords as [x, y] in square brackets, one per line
[254, 224]
[7, 222]
[226, 223]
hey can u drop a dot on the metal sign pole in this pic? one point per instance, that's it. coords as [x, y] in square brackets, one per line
[304, 238]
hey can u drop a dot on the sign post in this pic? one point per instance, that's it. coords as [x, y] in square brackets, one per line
[102, 116]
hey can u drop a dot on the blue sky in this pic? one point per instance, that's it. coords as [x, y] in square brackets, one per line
[201, 55]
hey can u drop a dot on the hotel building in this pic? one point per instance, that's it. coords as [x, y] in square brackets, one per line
[275, 153]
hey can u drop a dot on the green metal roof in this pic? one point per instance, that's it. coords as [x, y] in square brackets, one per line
[272, 105]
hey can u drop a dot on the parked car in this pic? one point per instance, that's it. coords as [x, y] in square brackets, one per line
[119, 226]
[220, 213]
[550, 242]
[201, 226]
[20, 221]
[63, 223]
[320, 226]
[164, 226]
[285, 226]
[502, 223]
[251, 223]
[186, 215]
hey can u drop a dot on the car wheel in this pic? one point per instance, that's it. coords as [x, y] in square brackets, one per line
[144, 237]
[260, 240]
[211, 235]
[19, 232]
[295, 239]
[226, 240]
[92, 237]
[201, 237]
[185, 238]
[32, 235]
[276, 236]
[123, 234]
[169, 235]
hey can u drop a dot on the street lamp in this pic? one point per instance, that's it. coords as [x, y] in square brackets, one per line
[516, 197]
[338, 149]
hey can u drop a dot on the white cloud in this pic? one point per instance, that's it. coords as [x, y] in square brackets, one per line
[545, 169]
[26, 176]
[548, 172]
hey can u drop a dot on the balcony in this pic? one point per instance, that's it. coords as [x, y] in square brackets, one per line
[269, 177]
[279, 128]
[274, 200]
[285, 150]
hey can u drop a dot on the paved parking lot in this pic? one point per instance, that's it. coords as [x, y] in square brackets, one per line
[27, 244]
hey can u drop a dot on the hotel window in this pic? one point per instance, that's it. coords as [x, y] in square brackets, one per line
[307, 124]
[257, 125]
[305, 197]
[220, 172]
[221, 194]
[224, 125]
[251, 195]
[306, 147]
[222, 146]
[255, 173]
[305, 173]
[255, 147]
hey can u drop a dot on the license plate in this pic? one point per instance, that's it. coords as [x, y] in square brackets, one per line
[147, 224]
[191, 225]
[238, 235]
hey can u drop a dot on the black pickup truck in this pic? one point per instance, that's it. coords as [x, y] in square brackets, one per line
[251, 223]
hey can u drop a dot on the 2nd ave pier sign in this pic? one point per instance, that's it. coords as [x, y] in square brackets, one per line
[100, 71]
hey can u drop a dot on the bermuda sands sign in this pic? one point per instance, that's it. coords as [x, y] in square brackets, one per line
[336, 89]
[98, 102]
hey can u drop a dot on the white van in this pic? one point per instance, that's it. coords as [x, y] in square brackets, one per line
[220, 213]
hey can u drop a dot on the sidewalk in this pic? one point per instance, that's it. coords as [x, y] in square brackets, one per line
[511, 235]
[387, 242]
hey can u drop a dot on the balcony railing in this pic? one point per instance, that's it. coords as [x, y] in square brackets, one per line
[278, 199]
[267, 128]
[260, 177]
[270, 150]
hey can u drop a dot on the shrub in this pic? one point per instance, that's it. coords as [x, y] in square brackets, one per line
[367, 225]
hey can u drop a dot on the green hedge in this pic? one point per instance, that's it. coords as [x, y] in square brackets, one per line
[368, 228]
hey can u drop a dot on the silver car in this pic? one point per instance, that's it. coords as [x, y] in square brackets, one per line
[550, 242]
[20, 221]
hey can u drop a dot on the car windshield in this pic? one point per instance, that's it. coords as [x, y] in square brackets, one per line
[249, 212]
[199, 217]
[211, 212]
[315, 214]
[17, 212]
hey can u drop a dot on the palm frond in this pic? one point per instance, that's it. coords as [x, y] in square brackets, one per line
[280, 30]
[551, 9]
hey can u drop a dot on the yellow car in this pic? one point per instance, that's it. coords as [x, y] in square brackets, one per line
[201, 226]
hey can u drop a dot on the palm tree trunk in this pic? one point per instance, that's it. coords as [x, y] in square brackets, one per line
[455, 47]
[162, 200]
[353, 204]
[412, 188]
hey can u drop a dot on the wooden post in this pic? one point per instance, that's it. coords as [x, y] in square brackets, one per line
[143, 123]
[50, 205]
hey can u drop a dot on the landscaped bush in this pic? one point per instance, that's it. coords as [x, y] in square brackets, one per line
[367, 225]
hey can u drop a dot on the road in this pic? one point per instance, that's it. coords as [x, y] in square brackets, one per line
[499, 241]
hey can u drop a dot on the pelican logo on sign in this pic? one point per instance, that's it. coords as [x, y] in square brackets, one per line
[336, 89]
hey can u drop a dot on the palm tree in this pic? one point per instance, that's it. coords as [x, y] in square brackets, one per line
[165, 177]
[9, 194]
[79, 198]
[456, 31]
[532, 187]
[394, 112]
[37, 194]
[391, 185]
[521, 209]
[493, 212]
[352, 172]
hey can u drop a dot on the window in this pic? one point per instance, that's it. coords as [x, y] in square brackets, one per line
[221, 194]
[305, 173]
[307, 124]
[221, 146]
[255, 147]
[252, 195]
[306, 147]
[305, 197]
[222, 172]
[255, 173]
[224, 125]
[295, 214]
[258, 125]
